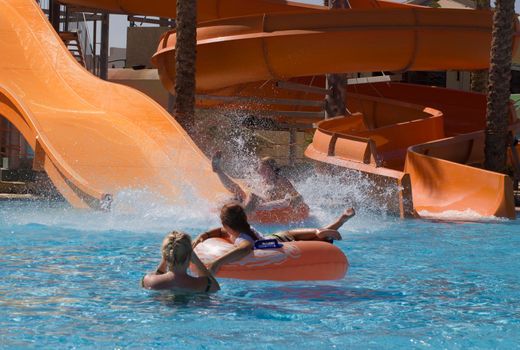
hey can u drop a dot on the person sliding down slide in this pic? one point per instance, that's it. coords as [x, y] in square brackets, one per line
[278, 190]
[236, 229]
[172, 273]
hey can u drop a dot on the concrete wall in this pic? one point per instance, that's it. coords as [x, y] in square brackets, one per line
[459, 80]
[141, 45]
[144, 80]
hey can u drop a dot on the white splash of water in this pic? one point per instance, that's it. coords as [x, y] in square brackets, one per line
[329, 195]
[132, 210]
[456, 215]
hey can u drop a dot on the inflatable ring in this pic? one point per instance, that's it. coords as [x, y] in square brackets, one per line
[294, 261]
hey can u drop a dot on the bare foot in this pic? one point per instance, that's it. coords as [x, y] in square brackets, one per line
[327, 234]
[347, 215]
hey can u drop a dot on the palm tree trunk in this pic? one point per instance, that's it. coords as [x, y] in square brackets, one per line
[336, 83]
[185, 57]
[479, 78]
[497, 113]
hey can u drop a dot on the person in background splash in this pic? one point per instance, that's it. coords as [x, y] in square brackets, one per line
[278, 191]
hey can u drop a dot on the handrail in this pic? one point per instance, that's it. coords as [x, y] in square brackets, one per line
[92, 48]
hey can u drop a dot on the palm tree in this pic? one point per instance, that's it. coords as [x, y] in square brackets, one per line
[185, 57]
[336, 83]
[499, 87]
[479, 78]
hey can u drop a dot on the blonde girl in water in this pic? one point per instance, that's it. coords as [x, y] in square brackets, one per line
[172, 272]
[236, 229]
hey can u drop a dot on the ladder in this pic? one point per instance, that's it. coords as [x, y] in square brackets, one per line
[71, 41]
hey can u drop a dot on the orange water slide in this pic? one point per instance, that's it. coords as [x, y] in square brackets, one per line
[433, 156]
[278, 46]
[93, 138]
[447, 175]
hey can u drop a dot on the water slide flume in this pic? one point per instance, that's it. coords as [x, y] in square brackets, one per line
[435, 159]
[280, 46]
[93, 138]
[447, 176]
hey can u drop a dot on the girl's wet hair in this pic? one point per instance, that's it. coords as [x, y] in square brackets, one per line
[177, 248]
[234, 216]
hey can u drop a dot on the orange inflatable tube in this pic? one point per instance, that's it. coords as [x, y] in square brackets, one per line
[294, 261]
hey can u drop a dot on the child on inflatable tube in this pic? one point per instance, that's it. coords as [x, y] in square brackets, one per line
[236, 229]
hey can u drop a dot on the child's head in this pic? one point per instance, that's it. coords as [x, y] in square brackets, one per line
[234, 216]
[267, 167]
[176, 248]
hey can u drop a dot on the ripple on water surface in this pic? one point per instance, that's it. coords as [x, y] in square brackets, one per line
[70, 279]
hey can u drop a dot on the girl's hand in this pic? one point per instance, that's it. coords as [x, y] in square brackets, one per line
[163, 266]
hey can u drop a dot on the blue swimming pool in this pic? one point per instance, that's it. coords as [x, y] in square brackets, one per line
[70, 279]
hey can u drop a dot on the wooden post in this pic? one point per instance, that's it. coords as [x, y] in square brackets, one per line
[103, 59]
[336, 83]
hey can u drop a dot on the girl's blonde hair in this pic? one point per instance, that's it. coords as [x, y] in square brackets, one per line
[177, 248]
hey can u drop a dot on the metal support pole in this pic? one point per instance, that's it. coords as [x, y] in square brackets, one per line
[95, 70]
[171, 103]
[66, 24]
[54, 14]
[103, 64]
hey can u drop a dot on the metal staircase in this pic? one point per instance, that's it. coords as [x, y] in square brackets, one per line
[71, 41]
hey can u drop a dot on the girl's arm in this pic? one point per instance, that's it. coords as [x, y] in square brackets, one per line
[241, 251]
[231, 185]
[153, 280]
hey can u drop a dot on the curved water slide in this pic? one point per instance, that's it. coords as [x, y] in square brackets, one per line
[427, 141]
[93, 138]
[279, 46]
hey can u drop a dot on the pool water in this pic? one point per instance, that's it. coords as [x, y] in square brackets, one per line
[70, 279]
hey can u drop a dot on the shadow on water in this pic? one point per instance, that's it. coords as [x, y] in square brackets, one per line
[321, 294]
[179, 300]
